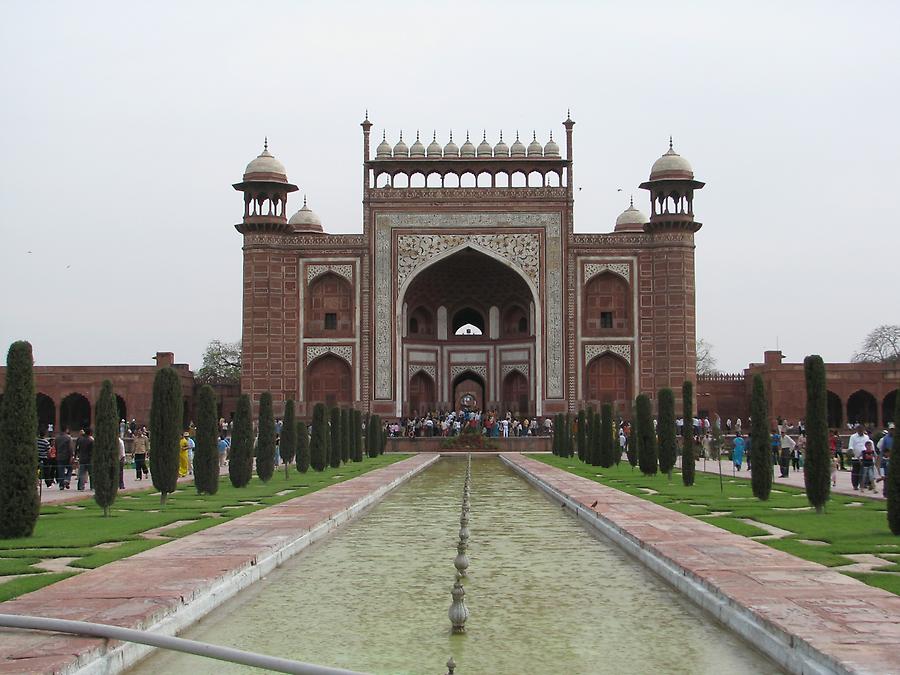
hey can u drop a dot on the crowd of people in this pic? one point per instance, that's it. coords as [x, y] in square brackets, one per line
[454, 422]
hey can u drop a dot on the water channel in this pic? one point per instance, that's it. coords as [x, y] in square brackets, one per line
[545, 595]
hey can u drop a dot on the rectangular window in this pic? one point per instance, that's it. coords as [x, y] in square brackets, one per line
[330, 321]
[606, 319]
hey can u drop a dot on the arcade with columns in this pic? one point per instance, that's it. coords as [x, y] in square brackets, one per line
[468, 285]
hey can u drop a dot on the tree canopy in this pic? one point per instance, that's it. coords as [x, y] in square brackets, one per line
[706, 361]
[221, 363]
[882, 345]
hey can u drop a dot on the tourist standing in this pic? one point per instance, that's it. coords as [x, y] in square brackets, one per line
[183, 459]
[139, 452]
[122, 462]
[867, 467]
[84, 448]
[46, 463]
[787, 450]
[855, 447]
[63, 459]
[737, 455]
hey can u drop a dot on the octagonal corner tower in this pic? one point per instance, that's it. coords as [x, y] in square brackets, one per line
[467, 286]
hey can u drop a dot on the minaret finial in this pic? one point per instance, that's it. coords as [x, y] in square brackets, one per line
[533, 136]
[434, 136]
[517, 135]
[384, 135]
[451, 135]
[484, 135]
[551, 134]
[467, 135]
[670, 141]
[266, 144]
[568, 113]
[304, 201]
[401, 135]
[631, 202]
[501, 135]
[417, 135]
[367, 115]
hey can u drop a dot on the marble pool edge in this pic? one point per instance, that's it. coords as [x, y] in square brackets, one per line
[92, 656]
[791, 651]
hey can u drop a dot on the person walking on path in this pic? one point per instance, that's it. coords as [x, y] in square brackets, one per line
[867, 468]
[738, 452]
[121, 463]
[45, 462]
[64, 458]
[836, 449]
[84, 448]
[140, 447]
[855, 447]
[787, 450]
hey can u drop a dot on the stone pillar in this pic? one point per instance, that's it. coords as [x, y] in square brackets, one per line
[442, 323]
[494, 323]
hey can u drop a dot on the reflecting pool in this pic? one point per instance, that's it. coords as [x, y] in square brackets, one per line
[545, 595]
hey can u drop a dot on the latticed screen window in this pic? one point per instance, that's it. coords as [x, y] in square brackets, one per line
[606, 301]
[329, 306]
[606, 319]
[330, 321]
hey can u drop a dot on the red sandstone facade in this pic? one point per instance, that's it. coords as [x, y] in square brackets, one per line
[857, 392]
[467, 285]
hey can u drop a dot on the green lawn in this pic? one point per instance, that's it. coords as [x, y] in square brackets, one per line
[844, 529]
[79, 530]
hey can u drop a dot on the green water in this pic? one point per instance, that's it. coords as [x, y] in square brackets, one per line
[545, 595]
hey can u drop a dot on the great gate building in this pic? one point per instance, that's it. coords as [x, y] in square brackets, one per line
[467, 286]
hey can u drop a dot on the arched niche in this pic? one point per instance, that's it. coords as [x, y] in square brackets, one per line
[862, 408]
[606, 306]
[329, 380]
[421, 393]
[516, 393]
[608, 380]
[420, 324]
[329, 307]
[75, 412]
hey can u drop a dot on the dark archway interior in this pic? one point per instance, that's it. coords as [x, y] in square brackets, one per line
[46, 411]
[122, 408]
[835, 411]
[75, 412]
[862, 408]
[467, 315]
[888, 406]
[468, 383]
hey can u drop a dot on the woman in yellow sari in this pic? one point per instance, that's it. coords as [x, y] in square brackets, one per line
[183, 463]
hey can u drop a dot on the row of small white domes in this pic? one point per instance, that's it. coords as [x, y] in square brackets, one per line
[468, 149]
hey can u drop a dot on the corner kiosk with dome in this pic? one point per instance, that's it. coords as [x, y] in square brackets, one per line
[467, 281]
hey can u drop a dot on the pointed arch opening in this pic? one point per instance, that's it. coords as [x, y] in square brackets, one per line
[329, 307]
[75, 412]
[329, 381]
[516, 394]
[421, 393]
[606, 306]
[46, 411]
[468, 391]
[835, 410]
[862, 408]
[608, 380]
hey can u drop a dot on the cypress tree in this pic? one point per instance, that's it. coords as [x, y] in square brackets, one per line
[371, 447]
[760, 453]
[19, 497]
[817, 465]
[346, 435]
[166, 417]
[288, 443]
[105, 457]
[596, 430]
[302, 447]
[240, 464]
[357, 436]
[265, 442]
[581, 435]
[334, 457]
[668, 447]
[554, 448]
[892, 486]
[379, 436]
[647, 452]
[687, 434]
[206, 453]
[318, 445]
[607, 443]
[383, 445]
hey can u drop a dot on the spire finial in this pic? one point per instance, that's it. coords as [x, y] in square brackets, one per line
[384, 135]
[467, 135]
[266, 144]
[434, 136]
[631, 202]
[484, 135]
[451, 135]
[417, 135]
[568, 113]
[367, 115]
[533, 136]
[304, 201]
[501, 135]
[517, 135]
[551, 134]
[670, 141]
[401, 135]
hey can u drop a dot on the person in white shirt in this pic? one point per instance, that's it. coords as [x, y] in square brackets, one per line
[855, 447]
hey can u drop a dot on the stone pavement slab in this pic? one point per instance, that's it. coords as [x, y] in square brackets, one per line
[174, 584]
[808, 617]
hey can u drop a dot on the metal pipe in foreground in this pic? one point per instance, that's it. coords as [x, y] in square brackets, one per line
[273, 663]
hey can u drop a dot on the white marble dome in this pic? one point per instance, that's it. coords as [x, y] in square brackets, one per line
[484, 148]
[383, 151]
[518, 148]
[467, 149]
[305, 220]
[551, 149]
[451, 149]
[400, 150]
[265, 162]
[535, 149]
[671, 165]
[501, 149]
[630, 219]
[417, 149]
[434, 148]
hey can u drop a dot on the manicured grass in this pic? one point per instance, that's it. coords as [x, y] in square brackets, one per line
[844, 528]
[76, 529]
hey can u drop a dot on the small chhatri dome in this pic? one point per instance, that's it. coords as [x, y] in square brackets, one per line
[417, 149]
[305, 220]
[671, 165]
[266, 163]
[467, 149]
[518, 148]
[400, 150]
[501, 149]
[535, 149]
[451, 149]
[551, 149]
[383, 151]
[484, 148]
[434, 148]
[630, 219]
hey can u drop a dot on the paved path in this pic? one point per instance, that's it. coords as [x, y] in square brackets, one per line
[856, 627]
[182, 580]
[795, 478]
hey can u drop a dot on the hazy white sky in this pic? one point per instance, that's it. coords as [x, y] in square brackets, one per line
[125, 124]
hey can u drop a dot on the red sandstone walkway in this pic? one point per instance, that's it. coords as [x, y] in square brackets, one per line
[856, 625]
[139, 591]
